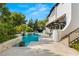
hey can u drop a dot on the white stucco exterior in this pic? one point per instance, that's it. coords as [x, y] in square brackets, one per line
[55, 35]
[72, 18]
[61, 9]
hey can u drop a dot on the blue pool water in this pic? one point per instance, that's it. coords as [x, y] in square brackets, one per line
[27, 39]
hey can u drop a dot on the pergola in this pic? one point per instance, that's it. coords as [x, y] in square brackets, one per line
[59, 23]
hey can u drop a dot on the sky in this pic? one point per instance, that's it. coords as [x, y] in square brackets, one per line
[31, 10]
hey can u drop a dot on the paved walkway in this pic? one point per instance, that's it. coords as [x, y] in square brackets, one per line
[23, 51]
[45, 47]
[57, 48]
[26, 51]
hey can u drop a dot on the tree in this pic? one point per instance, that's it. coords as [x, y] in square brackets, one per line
[8, 22]
[29, 29]
[30, 23]
[5, 13]
[7, 32]
[23, 27]
[36, 25]
[17, 18]
[42, 23]
[2, 5]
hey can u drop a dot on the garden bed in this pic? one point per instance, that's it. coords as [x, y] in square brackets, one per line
[75, 45]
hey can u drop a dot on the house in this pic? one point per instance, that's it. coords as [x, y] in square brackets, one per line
[63, 20]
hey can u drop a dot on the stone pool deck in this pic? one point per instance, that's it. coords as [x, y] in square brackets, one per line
[45, 47]
[55, 47]
[24, 51]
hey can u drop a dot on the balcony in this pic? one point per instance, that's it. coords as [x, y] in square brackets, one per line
[57, 23]
[51, 19]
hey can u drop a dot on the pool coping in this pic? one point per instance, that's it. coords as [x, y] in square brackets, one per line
[8, 44]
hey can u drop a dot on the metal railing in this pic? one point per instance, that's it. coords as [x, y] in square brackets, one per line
[76, 39]
[72, 36]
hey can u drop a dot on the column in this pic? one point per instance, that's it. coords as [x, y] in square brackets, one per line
[47, 30]
[55, 35]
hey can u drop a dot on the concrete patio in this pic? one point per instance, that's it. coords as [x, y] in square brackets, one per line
[23, 51]
[60, 48]
[45, 47]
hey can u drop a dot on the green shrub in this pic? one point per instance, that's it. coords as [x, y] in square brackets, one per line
[75, 45]
[5, 37]
[28, 29]
[23, 27]
[7, 32]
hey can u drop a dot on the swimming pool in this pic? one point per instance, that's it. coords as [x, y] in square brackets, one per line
[27, 39]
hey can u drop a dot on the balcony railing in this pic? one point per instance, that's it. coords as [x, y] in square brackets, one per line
[72, 36]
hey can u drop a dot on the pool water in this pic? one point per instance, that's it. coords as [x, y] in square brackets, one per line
[27, 39]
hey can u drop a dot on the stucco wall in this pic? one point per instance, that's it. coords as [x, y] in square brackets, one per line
[60, 10]
[75, 16]
[72, 17]
[74, 23]
[52, 16]
[65, 8]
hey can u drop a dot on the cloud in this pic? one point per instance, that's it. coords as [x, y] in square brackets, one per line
[37, 8]
[34, 13]
[42, 9]
[32, 9]
[41, 5]
[13, 10]
[38, 11]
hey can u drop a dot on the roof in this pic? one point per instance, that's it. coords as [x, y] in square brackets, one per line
[52, 9]
[59, 18]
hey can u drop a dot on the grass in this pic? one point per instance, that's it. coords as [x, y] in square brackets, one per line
[75, 45]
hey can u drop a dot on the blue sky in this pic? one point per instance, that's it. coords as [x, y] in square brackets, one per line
[31, 10]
